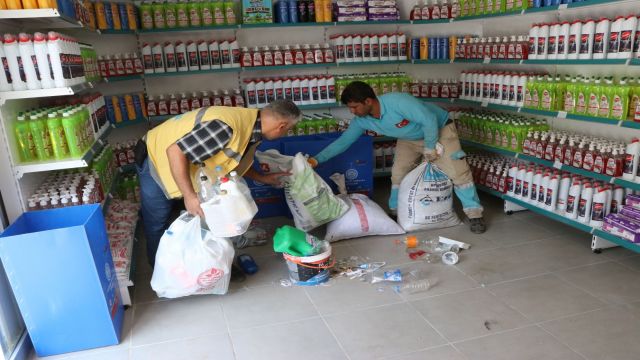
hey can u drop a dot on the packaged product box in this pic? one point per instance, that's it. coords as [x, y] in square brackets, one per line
[257, 11]
[633, 200]
[349, 18]
[382, 3]
[623, 227]
[349, 3]
[383, 11]
[354, 11]
[384, 17]
[631, 212]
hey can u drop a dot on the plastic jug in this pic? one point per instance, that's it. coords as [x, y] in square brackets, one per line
[230, 213]
[290, 240]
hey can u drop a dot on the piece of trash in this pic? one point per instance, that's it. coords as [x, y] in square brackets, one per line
[415, 255]
[450, 258]
[390, 276]
[487, 324]
[285, 282]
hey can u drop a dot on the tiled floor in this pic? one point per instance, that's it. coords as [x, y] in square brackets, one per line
[529, 288]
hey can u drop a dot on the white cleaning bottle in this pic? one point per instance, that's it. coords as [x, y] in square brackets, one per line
[551, 199]
[627, 37]
[170, 60]
[5, 74]
[543, 42]
[584, 206]
[552, 47]
[181, 57]
[42, 57]
[535, 186]
[563, 192]
[533, 41]
[586, 40]
[158, 59]
[601, 39]
[563, 41]
[29, 62]
[573, 200]
[608, 188]
[542, 189]
[573, 44]
[614, 38]
[617, 201]
[598, 206]
[519, 179]
[18, 78]
[630, 166]
[511, 179]
[526, 183]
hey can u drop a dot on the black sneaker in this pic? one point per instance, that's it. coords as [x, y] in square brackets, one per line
[477, 225]
[236, 274]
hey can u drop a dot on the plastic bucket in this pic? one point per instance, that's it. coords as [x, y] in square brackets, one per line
[310, 270]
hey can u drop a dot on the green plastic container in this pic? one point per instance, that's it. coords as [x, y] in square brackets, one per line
[24, 140]
[159, 21]
[41, 139]
[290, 240]
[58, 139]
[171, 14]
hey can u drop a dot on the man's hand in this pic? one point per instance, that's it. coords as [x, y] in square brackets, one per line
[313, 162]
[430, 155]
[192, 204]
[273, 179]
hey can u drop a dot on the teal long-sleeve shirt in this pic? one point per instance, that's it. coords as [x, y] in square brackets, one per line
[401, 116]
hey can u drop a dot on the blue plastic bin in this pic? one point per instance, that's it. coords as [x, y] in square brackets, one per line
[60, 268]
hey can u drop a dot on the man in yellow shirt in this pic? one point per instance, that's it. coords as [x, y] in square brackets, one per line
[168, 157]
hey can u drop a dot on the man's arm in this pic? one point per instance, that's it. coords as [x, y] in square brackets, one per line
[341, 144]
[179, 165]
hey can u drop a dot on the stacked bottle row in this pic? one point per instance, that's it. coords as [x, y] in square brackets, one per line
[123, 108]
[381, 83]
[190, 56]
[96, 105]
[53, 133]
[366, 10]
[497, 130]
[113, 15]
[174, 105]
[185, 14]
[475, 7]
[303, 11]
[124, 153]
[71, 188]
[90, 63]
[127, 64]
[120, 222]
[350, 48]
[296, 55]
[433, 48]
[599, 155]
[506, 88]
[303, 90]
[41, 61]
[77, 10]
[432, 10]
[586, 39]
[439, 89]
[513, 47]
[317, 124]
[597, 97]
[572, 196]
[383, 154]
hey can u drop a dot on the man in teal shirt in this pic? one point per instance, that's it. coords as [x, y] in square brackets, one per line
[423, 131]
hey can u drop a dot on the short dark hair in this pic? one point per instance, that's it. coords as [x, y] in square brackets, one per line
[357, 91]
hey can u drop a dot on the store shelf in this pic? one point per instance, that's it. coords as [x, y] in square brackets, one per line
[558, 217]
[47, 18]
[123, 78]
[41, 93]
[431, 61]
[288, 67]
[365, 63]
[84, 161]
[188, 29]
[127, 123]
[319, 106]
[635, 62]
[427, 22]
[576, 62]
[116, 32]
[199, 72]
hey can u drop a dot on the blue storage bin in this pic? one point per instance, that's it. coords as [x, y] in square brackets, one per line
[60, 268]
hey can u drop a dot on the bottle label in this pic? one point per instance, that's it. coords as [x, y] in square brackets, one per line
[542, 45]
[584, 44]
[147, 19]
[181, 60]
[194, 17]
[252, 97]
[230, 15]
[170, 60]
[571, 203]
[204, 57]
[573, 44]
[604, 106]
[518, 188]
[581, 104]
[549, 197]
[626, 42]
[207, 16]
[598, 43]
[535, 101]
[552, 44]
[569, 104]
[587, 163]
[593, 105]
[598, 164]
[561, 44]
[541, 193]
[611, 167]
[614, 42]
[628, 163]
[525, 189]
[597, 211]
[215, 57]
[636, 42]
[218, 15]
[193, 59]
[171, 19]
[617, 110]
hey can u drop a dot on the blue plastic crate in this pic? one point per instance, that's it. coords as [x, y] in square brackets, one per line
[61, 272]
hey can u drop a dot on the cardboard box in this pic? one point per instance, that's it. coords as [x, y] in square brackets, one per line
[60, 268]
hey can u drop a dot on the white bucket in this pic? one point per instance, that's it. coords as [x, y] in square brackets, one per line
[310, 270]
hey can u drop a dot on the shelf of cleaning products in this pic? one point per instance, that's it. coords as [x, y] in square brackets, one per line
[84, 161]
[127, 123]
[201, 28]
[51, 18]
[555, 114]
[123, 78]
[530, 62]
[555, 216]
[41, 93]
[570, 169]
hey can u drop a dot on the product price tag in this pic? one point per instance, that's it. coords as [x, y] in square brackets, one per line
[557, 164]
[486, 60]
[485, 103]
[563, 6]
[562, 114]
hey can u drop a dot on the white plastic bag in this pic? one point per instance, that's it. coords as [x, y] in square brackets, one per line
[310, 199]
[364, 218]
[190, 261]
[425, 199]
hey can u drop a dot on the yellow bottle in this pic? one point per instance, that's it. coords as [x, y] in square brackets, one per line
[319, 6]
[424, 48]
[101, 16]
[14, 4]
[29, 4]
[327, 11]
[115, 14]
[131, 16]
[453, 41]
[43, 4]
[131, 110]
[91, 12]
[116, 109]
[3, 5]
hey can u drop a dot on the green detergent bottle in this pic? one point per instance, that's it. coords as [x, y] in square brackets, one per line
[171, 14]
[570, 97]
[561, 90]
[620, 100]
[72, 135]
[634, 98]
[41, 139]
[207, 13]
[195, 13]
[547, 94]
[159, 21]
[290, 240]
[146, 15]
[582, 95]
[24, 140]
[593, 92]
[230, 13]
[604, 98]
[182, 14]
[218, 12]
[58, 139]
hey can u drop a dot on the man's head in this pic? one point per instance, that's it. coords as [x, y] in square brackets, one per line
[278, 117]
[359, 97]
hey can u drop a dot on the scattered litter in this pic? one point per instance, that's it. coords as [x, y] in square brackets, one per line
[390, 276]
[431, 249]
[285, 282]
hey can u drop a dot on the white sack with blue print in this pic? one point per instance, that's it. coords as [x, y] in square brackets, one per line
[425, 199]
